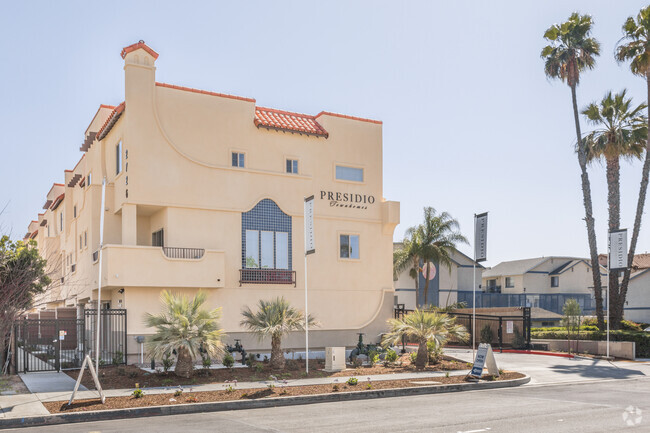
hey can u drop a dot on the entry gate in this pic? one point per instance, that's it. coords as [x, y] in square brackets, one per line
[502, 331]
[59, 344]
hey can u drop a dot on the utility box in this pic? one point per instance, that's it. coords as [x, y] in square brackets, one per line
[334, 359]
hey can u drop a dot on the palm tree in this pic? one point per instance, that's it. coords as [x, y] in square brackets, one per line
[621, 132]
[434, 241]
[424, 326]
[570, 52]
[186, 328]
[275, 318]
[408, 257]
[636, 49]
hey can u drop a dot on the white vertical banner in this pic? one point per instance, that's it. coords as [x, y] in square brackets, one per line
[617, 250]
[309, 225]
[309, 249]
[480, 237]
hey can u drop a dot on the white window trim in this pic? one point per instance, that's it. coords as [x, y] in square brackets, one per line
[347, 165]
[241, 152]
[338, 244]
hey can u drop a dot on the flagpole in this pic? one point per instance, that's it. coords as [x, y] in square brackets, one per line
[474, 294]
[99, 279]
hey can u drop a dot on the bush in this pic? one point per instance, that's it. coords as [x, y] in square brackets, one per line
[228, 361]
[118, 358]
[373, 357]
[487, 336]
[641, 339]
[435, 352]
[206, 362]
[291, 364]
[167, 362]
[413, 356]
[137, 393]
[518, 340]
[250, 359]
[391, 355]
[352, 381]
[259, 367]
[178, 392]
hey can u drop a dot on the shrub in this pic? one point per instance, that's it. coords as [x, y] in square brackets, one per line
[167, 381]
[250, 360]
[178, 392]
[292, 364]
[487, 336]
[132, 374]
[335, 387]
[118, 358]
[369, 386]
[435, 352]
[137, 393]
[206, 361]
[228, 361]
[352, 381]
[518, 340]
[259, 367]
[229, 389]
[413, 356]
[373, 357]
[167, 362]
[391, 355]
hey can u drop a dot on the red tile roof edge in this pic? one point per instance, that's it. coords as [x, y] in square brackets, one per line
[345, 116]
[57, 201]
[257, 122]
[58, 184]
[116, 112]
[68, 171]
[137, 45]
[33, 235]
[205, 92]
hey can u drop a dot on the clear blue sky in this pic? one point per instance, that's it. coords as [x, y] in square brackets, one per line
[471, 123]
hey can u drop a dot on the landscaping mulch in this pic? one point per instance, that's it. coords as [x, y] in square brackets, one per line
[243, 394]
[120, 377]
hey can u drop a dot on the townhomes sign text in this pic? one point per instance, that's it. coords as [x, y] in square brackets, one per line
[346, 199]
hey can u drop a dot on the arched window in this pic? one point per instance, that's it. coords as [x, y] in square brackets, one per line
[266, 245]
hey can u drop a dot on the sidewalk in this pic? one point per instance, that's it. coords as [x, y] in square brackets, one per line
[24, 405]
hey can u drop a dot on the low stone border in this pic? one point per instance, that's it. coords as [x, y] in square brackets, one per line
[103, 415]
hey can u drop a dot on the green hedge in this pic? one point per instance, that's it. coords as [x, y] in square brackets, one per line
[562, 328]
[642, 339]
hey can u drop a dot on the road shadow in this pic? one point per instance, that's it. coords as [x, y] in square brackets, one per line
[597, 370]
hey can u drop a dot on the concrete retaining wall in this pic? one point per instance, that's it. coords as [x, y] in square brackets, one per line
[619, 349]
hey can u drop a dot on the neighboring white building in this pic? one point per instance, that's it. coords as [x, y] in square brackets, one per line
[444, 289]
[637, 301]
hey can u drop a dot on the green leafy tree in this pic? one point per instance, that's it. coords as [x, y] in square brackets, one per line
[634, 47]
[275, 319]
[423, 326]
[432, 241]
[571, 319]
[621, 132]
[23, 276]
[570, 52]
[187, 328]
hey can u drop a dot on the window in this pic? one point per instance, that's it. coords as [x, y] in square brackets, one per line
[158, 238]
[238, 159]
[349, 173]
[61, 221]
[509, 282]
[89, 179]
[349, 246]
[266, 243]
[86, 238]
[555, 281]
[292, 166]
[118, 158]
[81, 245]
[267, 249]
[74, 211]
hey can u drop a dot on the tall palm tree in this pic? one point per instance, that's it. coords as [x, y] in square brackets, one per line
[408, 257]
[186, 328]
[635, 48]
[621, 132]
[439, 235]
[570, 52]
[275, 318]
[424, 326]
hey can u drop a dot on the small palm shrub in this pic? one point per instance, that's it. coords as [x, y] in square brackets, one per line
[185, 327]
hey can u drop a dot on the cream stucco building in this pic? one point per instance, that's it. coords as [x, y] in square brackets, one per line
[205, 191]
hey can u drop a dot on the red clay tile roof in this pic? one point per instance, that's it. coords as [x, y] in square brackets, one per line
[205, 92]
[287, 121]
[33, 235]
[327, 113]
[114, 116]
[57, 201]
[47, 204]
[137, 45]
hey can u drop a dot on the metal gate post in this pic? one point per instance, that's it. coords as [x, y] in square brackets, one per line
[25, 339]
[15, 327]
[501, 334]
[57, 347]
[527, 326]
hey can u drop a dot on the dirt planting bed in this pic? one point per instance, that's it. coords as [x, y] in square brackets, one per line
[233, 394]
[119, 377]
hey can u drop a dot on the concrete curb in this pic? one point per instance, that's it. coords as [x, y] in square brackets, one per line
[104, 415]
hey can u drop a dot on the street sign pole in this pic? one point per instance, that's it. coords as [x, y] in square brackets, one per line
[309, 249]
[480, 255]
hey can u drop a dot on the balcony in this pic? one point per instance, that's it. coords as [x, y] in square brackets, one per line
[493, 289]
[143, 266]
[267, 276]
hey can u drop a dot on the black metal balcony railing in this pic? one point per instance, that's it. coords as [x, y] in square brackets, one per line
[493, 289]
[267, 276]
[183, 253]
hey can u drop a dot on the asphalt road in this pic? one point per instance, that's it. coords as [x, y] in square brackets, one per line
[589, 396]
